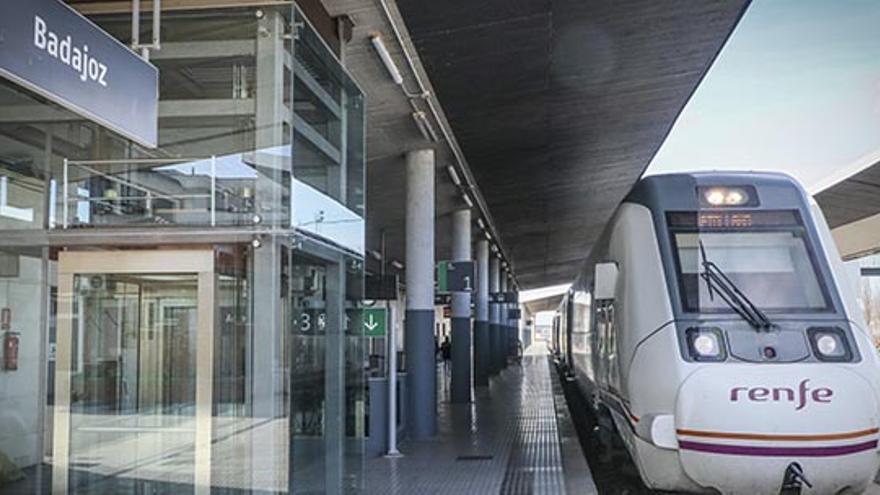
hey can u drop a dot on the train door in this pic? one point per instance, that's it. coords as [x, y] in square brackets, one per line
[134, 372]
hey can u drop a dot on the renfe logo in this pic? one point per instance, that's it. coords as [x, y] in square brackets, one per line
[783, 394]
[64, 50]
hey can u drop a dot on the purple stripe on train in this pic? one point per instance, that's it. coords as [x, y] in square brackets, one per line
[819, 451]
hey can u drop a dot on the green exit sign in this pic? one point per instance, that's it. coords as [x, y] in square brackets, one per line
[375, 321]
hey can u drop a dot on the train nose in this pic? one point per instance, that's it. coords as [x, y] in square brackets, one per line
[740, 427]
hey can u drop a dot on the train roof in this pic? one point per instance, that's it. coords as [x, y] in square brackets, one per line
[677, 191]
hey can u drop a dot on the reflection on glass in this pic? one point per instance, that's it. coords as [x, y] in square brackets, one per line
[308, 347]
[132, 397]
[328, 140]
[869, 294]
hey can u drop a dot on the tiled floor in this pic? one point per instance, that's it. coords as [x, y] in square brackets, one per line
[506, 442]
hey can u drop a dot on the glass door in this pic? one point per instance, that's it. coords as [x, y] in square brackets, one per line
[134, 372]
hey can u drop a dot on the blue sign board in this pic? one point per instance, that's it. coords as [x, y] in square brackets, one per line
[52, 50]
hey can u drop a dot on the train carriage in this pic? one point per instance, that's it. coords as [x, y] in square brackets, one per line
[714, 323]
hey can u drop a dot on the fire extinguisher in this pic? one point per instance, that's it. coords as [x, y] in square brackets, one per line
[10, 351]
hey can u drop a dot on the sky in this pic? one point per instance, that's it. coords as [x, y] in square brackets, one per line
[795, 89]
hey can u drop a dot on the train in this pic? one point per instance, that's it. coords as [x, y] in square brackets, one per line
[714, 328]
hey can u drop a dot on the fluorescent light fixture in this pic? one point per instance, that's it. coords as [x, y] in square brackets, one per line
[424, 126]
[453, 175]
[397, 264]
[379, 45]
[493, 247]
[467, 200]
[488, 236]
[481, 223]
[376, 255]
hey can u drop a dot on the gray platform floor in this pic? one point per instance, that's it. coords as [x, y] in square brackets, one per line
[515, 438]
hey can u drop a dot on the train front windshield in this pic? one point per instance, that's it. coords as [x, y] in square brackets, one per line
[766, 254]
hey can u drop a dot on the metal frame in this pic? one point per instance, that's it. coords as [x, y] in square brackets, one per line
[200, 262]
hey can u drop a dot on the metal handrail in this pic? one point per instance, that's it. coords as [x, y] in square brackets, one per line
[85, 164]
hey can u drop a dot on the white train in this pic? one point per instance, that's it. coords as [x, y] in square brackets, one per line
[714, 324]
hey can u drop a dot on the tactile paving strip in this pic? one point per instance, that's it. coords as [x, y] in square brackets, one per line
[535, 462]
[506, 442]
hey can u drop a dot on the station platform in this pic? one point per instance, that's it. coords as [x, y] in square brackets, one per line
[517, 437]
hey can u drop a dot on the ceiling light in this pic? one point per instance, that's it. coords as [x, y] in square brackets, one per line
[385, 56]
[467, 200]
[425, 126]
[481, 223]
[453, 175]
[397, 264]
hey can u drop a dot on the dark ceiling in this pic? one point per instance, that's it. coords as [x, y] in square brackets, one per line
[559, 105]
[852, 199]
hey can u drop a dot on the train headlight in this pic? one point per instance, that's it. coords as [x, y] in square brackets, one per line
[718, 196]
[705, 344]
[829, 344]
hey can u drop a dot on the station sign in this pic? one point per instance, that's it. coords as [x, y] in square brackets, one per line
[455, 276]
[52, 50]
[442, 299]
[375, 321]
[380, 287]
[502, 297]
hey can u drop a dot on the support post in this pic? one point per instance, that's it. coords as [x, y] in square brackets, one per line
[513, 329]
[420, 346]
[461, 312]
[392, 381]
[494, 317]
[482, 345]
[503, 326]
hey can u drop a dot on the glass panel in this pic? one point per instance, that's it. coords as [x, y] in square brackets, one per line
[308, 374]
[328, 137]
[250, 428]
[225, 92]
[356, 366]
[132, 397]
[22, 324]
[773, 269]
[869, 293]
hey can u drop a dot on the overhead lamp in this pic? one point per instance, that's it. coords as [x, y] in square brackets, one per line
[481, 223]
[453, 175]
[425, 126]
[385, 56]
[376, 255]
[488, 236]
[467, 200]
[397, 264]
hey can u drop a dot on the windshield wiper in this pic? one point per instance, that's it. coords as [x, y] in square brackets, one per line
[731, 294]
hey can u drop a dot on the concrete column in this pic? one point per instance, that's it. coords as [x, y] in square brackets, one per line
[419, 327]
[503, 326]
[513, 329]
[461, 312]
[494, 317]
[482, 345]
